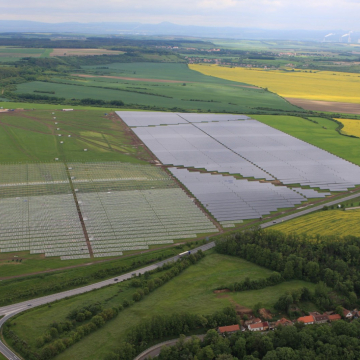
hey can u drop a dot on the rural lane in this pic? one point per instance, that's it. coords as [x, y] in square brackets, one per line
[12, 310]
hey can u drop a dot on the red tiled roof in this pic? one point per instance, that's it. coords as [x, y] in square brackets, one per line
[259, 325]
[230, 328]
[306, 319]
[334, 317]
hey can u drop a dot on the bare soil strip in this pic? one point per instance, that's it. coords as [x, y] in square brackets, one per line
[329, 106]
[130, 78]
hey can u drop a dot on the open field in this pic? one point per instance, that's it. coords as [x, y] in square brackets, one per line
[351, 127]
[326, 106]
[331, 222]
[14, 54]
[301, 84]
[35, 106]
[162, 85]
[26, 282]
[196, 283]
[33, 136]
[322, 134]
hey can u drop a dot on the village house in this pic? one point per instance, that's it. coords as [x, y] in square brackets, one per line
[334, 317]
[262, 326]
[228, 329]
[307, 320]
[321, 318]
[347, 314]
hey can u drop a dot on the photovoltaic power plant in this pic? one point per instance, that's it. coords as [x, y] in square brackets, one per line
[100, 208]
[38, 212]
[242, 146]
[134, 207]
[186, 145]
[139, 118]
[228, 198]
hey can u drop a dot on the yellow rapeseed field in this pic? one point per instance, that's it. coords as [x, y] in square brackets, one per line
[330, 222]
[302, 84]
[351, 127]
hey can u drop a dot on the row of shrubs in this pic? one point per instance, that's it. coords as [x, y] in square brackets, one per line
[49, 345]
[162, 326]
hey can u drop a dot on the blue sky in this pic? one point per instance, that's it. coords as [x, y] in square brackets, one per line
[268, 14]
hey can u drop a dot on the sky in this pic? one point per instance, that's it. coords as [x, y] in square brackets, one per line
[266, 14]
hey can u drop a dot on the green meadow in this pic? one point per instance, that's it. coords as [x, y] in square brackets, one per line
[160, 85]
[191, 291]
[27, 136]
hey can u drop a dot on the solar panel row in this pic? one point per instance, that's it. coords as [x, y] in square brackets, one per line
[219, 142]
[229, 199]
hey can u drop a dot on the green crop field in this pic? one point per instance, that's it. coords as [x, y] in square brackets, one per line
[196, 295]
[162, 85]
[323, 134]
[33, 136]
[14, 54]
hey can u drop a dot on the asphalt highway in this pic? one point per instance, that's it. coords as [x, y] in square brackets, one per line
[14, 309]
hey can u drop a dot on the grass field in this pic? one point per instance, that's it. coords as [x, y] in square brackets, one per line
[12, 287]
[331, 222]
[14, 54]
[33, 136]
[351, 127]
[323, 134]
[303, 84]
[162, 85]
[196, 295]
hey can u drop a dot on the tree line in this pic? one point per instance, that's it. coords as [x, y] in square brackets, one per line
[333, 260]
[139, 337]
[82, 321]
[299, 342]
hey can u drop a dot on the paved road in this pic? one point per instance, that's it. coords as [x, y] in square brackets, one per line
[310, 210]
[155, 350]
[14, 309]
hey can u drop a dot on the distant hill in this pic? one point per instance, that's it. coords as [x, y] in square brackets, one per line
[167, 28]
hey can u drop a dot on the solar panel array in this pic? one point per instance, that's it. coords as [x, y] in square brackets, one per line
[286, 158]
[141, 118]
[39, 223]
[228, 198]
[186, 145]
[247, 147]
[124, 207]
[111, 176]
[119, 221]
[311, 193]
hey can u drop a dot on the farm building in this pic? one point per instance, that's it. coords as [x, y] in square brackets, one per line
[334, 317]
[347, 314]
[228, 329]
[321, 319]
[262, 326]
[307, 320]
